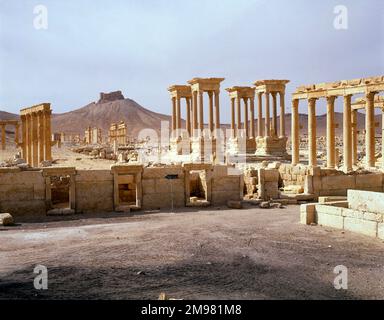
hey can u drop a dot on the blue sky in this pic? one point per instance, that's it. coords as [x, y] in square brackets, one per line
[141, 47]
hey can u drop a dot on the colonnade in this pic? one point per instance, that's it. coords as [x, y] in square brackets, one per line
[3, 124]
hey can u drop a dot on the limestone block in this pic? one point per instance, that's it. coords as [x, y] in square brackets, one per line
[338, 182]
[329, 220]
[366, 201]
[327, 209]
[234, 204]
[93, 175]
[161, 172]
[314, 171]
[39, 191]
[351, 213]
[94, 196]
[307, 213]
[333, 192]
[148, 186]
[220, 170]
[22, 177]
[365, 227]
[16, 192]
[24, 208]
[308, 184]
[380, 230]
[225, 183]
[164, 185]
[126, 179]
[369, 180]
[6, 219]
[271, 175]
[219, 198]
[378, 217]
[154, 201]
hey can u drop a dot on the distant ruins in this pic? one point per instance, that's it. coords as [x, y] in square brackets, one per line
[118, 133]
[3, 124]
[93, 136]
[111, 96]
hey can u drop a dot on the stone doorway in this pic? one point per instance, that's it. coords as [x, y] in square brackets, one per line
[127, 190]
[60, 186]
[198, 184]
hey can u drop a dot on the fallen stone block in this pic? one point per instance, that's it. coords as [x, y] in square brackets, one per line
[265, 205]
[234, 204]
[6, 219]
[307, 213]
[366, 227]
[330, 220]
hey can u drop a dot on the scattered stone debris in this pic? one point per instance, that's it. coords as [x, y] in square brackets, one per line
[234, 204]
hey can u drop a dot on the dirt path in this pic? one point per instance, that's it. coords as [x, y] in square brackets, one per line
[238, 254]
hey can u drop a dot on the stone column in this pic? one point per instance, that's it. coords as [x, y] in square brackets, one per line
[233, 129]
[201, 113]
[210, 114]
[370, 129]
[252, 120]
[238, 107]
[29, 139]
[267, 116]
[173, 116]
[259, 114]
[194, 104]
[347, 135]
[48, 135]
[295, 132]
[282, 114]
[217, 110]
[382, 137]
[274, 114]
[354, 135]
[3, 136]
[312, 154]
[188, 102]
[178, 115]
[331, 131]
[35, 141]
[17, 126]
[41, 135]
[246, 127]
[24, 136]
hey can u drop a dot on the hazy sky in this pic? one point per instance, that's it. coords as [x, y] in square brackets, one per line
[141, 47]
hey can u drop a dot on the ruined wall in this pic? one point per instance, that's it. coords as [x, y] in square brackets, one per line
[157, 189]
[226, 186]
[22, 192]
[94, 191]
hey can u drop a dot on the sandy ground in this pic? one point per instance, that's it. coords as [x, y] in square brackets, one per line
[64, 157]
[196, 254]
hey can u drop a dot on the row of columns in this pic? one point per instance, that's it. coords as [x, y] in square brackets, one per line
[3, 135]
[36, 133]
[195, 112]
[349, 132]
[249, 128]
[270, 128]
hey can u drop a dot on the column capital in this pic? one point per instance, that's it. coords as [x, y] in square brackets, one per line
[295, 103]
[210, 93]
[274, 94]
[330, 99]
[370, 95]
[312, 99]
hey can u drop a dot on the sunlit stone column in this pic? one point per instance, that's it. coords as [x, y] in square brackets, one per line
[267, 116]
[178, 115]
[217, 111]
[312, 154]
[282, 114]
[347, 134]
[370, 129]
[188, 125]
[295, 132]
[252, 120]
[331, 131]
[259, 114]
[41, 135]
[29, 138]
[173, 116]
[246, 127]
[210, 114]
[3, 137]
[35, 141]
[194, 104]
[233, 129]
[24, 136]
[201, 113]
[354, 135]
[48, 135]
[274, 114]
[238, 107]
[17, 126]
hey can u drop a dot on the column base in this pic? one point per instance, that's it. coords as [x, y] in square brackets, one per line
[235, 146]
[180, 146]
[272, 146]
[203, 149]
